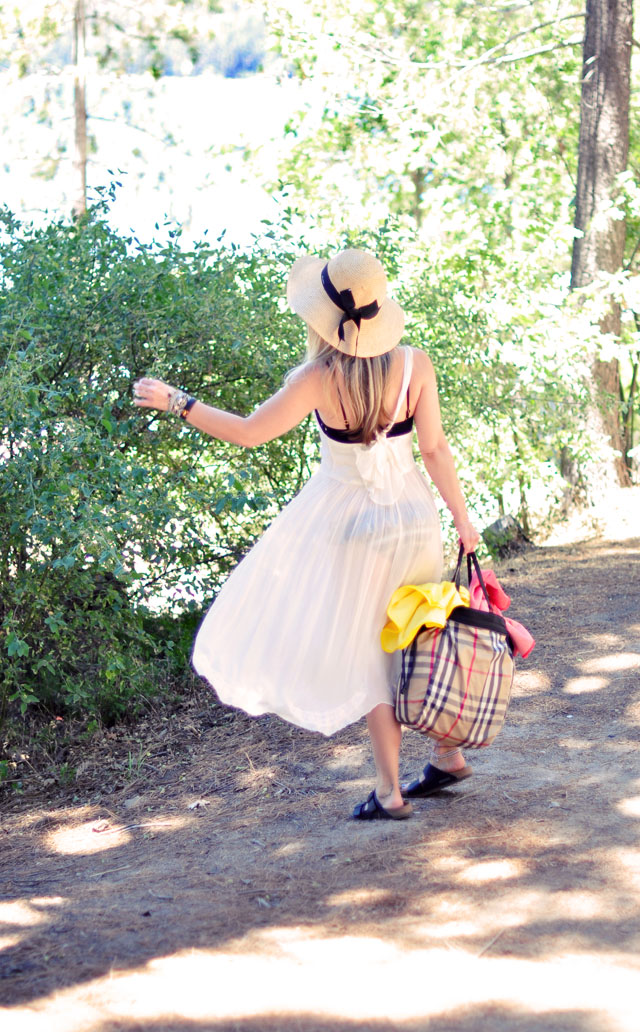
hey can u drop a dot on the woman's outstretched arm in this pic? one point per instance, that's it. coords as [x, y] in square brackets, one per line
[436, 452]
[274, 417]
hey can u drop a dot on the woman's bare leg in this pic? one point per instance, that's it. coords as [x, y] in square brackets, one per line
[386, 734]
[446, 758]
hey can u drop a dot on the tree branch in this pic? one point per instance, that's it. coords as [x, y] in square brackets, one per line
[511, 58]
[572, 177]
[486, 57]
[514, 7]
[127, 125]
[628, 265]
[502, 8]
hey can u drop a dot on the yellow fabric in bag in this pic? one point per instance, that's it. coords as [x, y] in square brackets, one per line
[415, 606]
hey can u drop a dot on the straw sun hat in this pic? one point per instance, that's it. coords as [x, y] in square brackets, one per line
[345, 301]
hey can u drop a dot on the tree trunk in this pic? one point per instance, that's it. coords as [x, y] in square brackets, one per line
[603, 151]
[80, 110]
[418, 177]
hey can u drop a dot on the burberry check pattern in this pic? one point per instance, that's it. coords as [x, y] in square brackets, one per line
[455, 683]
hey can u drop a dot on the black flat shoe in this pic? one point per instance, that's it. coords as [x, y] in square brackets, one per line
[373, 810]
[434, 780]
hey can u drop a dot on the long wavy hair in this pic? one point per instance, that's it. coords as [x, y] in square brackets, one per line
[364, 381]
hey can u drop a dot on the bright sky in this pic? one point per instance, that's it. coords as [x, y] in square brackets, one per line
[201, 180]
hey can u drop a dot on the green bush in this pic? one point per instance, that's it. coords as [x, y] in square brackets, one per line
[512, 392]
[107, 513]
[512, 373]
[118, 524]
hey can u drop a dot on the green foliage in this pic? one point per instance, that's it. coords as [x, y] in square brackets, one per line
[511, 366]
[511, 391]
[66, 774]
[450, 134]
[116, 523]
[107, 514]
[463, 121]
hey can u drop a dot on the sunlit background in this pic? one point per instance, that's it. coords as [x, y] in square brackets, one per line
[198, 145]
[199, 123]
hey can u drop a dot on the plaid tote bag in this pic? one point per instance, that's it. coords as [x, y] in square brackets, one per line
[455, 683]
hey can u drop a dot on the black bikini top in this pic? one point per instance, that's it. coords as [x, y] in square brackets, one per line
[348, 436]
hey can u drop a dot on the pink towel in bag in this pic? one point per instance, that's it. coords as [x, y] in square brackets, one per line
[522, 640]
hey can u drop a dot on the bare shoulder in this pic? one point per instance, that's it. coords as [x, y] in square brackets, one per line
[307, 379]
[422, 365]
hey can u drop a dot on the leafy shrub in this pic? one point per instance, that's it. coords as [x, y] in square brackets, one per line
[101, 506]
[117, 524]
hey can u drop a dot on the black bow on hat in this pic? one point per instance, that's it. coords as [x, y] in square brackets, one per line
[343, 299]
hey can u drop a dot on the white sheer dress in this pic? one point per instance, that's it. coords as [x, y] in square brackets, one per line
[295, 630]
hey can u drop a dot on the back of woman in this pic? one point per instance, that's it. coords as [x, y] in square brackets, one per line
[296, 628]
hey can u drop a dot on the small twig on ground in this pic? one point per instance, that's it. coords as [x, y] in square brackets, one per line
[111, 870]
[491, 942]
[287, 788]
[258, 892]
[128, 827]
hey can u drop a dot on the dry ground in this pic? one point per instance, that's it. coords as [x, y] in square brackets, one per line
[203, 873]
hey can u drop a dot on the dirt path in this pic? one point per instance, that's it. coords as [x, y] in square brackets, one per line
[226, 889]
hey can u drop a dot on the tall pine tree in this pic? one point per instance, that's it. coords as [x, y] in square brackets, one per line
[603, 153]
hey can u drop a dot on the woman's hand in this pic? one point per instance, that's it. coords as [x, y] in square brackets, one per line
[469, 536]
[149, 393]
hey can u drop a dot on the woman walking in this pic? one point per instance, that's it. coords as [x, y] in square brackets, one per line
[295, 630]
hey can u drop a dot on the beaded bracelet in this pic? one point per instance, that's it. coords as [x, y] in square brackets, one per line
[180, 403]
[177, 401]
[190, 402]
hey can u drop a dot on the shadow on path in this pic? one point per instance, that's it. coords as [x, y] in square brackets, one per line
[288, 906]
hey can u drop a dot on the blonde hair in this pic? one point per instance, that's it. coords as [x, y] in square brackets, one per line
[365, 380]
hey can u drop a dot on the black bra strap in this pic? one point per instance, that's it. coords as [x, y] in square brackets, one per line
[344, 414]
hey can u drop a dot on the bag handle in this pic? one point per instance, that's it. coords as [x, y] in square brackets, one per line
[471, 558]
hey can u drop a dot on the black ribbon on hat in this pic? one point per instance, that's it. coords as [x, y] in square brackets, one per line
[343, 299]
